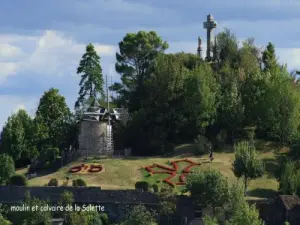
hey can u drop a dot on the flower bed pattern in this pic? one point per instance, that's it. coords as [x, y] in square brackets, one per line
[83, 168]
[173, 171]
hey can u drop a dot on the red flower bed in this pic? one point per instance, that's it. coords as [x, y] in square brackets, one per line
[95, 169]
[75, 169]
[90, 168]
[175, 166]
[173, 171]
[187, 169]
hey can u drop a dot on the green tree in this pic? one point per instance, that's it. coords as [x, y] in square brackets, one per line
[230, 108]
[245, 215]
[4, 221]
[161, 118]
[165, 103]
[250, 58]
[280, 108]
[269, 58]
[76, 218]
[236, 199]
[189, 60]
[32, 217]
[18, 138]
[289, 183]
[208, 188]
[210, 220]
[201, 92]
[134, 64]
[52, 120]
[67, 199]
[253, 89]
[246, 163]
[7, 168]
[91, 84]
[139, 215]
[84, 218]
[226, 49]
[92, 217]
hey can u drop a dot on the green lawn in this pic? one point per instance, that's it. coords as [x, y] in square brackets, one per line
[124, 173]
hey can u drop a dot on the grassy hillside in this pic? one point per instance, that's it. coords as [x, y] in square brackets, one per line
[124, 173]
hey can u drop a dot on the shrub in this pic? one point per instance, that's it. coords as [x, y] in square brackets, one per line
[53, 182]
[142, 185]
[50, 154]
[48, 159]
[202, 145]
[18, 179]
[168, 189]
[104, 218]
[155, 188]
[79, 183]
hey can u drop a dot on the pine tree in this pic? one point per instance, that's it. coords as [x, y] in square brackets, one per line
[269, 57]
[91, 84]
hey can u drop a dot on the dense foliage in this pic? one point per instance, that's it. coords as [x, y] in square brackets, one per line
[53, 182]
[139, 215]
[7, 168]
[246, 163]
[79, 183]
[18, 180]
[18, 138]
[172, 98]
[37, 217]
[208, 188]
[91, 83]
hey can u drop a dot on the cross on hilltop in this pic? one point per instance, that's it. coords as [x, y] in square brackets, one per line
[209, 24]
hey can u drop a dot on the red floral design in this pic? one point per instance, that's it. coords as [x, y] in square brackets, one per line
[173, 171]
[83, 167]
[95, 168]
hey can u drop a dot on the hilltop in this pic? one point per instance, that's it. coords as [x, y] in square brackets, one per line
[124, 173]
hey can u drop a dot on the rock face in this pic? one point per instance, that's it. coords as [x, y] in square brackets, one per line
[92, 138]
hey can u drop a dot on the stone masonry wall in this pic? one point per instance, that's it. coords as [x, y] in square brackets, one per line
[92, 137]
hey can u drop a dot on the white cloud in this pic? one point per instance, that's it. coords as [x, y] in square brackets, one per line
[7, 68]
[11, 104]
[20, 106]
[9, 51]
[291, 56]
[14, 38]
[52, 54]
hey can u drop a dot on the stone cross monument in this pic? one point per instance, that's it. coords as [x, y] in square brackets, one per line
[199, 50]
[210, 24]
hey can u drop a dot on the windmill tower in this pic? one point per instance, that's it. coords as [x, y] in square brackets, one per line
[96, 137]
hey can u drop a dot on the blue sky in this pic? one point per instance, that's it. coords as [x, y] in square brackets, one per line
[41, 42]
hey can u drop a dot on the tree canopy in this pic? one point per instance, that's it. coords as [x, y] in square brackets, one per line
[91, 83]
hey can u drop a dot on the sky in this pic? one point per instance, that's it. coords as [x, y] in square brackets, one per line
[41, 42]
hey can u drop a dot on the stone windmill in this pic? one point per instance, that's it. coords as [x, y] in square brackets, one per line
[96, 134]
